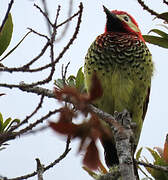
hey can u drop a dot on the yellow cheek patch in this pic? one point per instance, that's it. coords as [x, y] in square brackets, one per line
[129, 22]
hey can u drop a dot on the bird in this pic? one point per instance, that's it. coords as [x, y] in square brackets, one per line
[123, 64]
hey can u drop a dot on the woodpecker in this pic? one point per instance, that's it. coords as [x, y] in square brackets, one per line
[123, 64]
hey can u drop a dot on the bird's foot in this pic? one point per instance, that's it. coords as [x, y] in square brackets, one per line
[123, 118]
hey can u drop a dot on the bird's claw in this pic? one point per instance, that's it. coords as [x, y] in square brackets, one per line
[123, 118]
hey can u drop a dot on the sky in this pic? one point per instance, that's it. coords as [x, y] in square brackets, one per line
[19, 156]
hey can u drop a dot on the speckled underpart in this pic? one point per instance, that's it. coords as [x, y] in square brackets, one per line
[123, 50]
[124, 66]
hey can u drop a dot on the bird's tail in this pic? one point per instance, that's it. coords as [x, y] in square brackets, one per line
[110, 152]
[111, 157]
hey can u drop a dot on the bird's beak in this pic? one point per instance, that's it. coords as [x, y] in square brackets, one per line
[109, 14]
[114, 24]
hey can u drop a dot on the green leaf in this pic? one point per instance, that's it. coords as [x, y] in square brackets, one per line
[6, 123]
[71, 81]
[17, 121]
[158, 160]
[91, 173]
[6, 34]
[147, 177]
[154, 154]
[1, 122]
[59, 83]
[138, 153]
[159, 32]
[159, 41]
[164, 26]
[80, 80]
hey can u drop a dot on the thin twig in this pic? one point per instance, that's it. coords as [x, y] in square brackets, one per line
[68, 44]
[28, 117]
[67, 20]
[40, 169]
[64, 72]
[25, 68]
[151, 11]
[61, 157]
[12, 135]
[157, 167]
[31, 126]
[67, 149]
[67, 24]
[6, 15]
[37, 130]
[45, 14]
[145, 7]
[57, 15]
[15, 47]
[39, 34]
[49, 78]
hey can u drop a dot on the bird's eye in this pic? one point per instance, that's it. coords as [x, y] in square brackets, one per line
[126, 18]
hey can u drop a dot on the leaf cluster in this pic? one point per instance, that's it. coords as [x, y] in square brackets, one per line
[160, 157]
[162, 39]
[6, 126]
[72, 81]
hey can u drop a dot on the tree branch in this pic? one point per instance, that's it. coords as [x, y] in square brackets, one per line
[67, 24]
[151, 11]
[40, 169]
[28, 117]
[157, 167]
[123, 138]
[61, 157]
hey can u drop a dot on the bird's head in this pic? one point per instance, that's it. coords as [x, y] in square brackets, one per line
[120, 21]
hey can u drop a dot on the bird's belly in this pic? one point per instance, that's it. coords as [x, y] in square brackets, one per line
[117, 92]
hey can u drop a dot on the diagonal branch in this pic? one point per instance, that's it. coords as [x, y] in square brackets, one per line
[68, 44]
[28, 117]
[151, 11]
[26, 68]
[6, 136]
[67, 24]
[157, 167]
